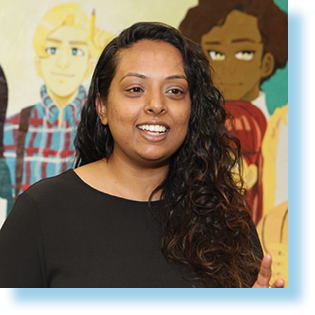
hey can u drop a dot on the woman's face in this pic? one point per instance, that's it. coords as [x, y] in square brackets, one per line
[148, 106]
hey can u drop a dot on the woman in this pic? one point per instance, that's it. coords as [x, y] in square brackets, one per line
[152, 129]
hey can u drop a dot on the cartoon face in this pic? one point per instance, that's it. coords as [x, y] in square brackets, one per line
[68, 61]
[148, 106]
[235, 50]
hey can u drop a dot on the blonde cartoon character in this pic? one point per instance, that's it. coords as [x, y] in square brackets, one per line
[39, 140]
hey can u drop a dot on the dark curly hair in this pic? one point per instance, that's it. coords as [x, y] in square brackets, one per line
[271, 21]
[206, 226]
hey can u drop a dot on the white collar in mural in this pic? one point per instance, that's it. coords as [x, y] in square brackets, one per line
[260, 102]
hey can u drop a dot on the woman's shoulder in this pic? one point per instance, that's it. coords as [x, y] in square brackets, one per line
[52, 188]
[56, 182]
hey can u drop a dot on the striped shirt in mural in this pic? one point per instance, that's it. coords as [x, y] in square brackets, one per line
[49, 148]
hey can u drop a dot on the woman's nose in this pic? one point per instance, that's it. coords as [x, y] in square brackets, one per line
[155, 103]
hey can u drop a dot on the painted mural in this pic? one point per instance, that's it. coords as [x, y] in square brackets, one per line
[43, 86]
[38, 141]
[6, 198]
[246, 43]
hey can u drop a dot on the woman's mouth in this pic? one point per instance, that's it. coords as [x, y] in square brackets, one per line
[153, 129]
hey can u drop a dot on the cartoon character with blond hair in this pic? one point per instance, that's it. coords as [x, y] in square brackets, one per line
[38, 141]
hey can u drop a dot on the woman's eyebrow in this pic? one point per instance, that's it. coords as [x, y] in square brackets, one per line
[176, 76]
[142, 76]
[133, 74]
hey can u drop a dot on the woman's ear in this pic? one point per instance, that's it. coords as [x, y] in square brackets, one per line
[267, 65]
[101, 109]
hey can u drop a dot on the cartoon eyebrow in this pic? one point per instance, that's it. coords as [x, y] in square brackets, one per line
[71, 42]
[243, 40]
[213, 43]
[237, 40]
[77, 43]
[54, 40]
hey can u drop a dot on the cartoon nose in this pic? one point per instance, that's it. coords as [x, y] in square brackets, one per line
[155, 103]
[63, 61]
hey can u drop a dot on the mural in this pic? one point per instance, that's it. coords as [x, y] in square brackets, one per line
[6, 199]
[38, 141]
[245, 41]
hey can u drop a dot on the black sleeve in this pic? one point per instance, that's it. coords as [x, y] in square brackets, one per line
[22, 262]
[256, 242]
[257, 251]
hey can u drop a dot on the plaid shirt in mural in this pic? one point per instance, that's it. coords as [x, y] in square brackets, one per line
[49, 148]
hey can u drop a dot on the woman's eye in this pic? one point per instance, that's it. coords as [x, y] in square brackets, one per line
[215, 55]
[175, 91]
[245, 55]
[176, 94]
[135, 90]
[51, 50]
[77, 52]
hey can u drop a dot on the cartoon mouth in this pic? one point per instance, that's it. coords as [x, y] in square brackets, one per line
[62, 74]
[153, 129]
[231, 84]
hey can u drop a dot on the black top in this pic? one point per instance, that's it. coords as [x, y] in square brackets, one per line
[64, 233]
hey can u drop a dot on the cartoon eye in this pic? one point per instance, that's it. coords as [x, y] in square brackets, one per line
[245, 55]
[77, 52]
[215, 55]
[51, 50]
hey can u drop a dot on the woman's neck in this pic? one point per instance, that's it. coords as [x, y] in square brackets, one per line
[137, 181]
[123, 180]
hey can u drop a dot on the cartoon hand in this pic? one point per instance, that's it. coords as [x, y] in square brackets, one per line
[264, 275]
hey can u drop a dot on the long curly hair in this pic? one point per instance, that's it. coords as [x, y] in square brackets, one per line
[206, 226]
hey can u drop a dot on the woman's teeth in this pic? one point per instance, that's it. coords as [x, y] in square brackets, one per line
[153, 128]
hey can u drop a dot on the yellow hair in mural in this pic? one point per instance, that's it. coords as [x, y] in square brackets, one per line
[273, 234]
[70, 14]
[269, 151]
[273, 228]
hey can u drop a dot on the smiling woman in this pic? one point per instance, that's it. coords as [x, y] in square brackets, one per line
[153, 201]
[148, 106]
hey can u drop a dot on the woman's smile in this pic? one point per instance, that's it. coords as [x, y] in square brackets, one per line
[148, 106]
